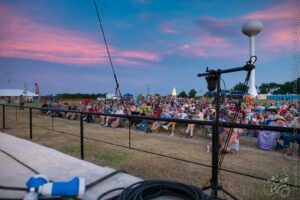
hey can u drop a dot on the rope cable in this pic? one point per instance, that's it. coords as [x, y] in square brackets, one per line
[109, 56]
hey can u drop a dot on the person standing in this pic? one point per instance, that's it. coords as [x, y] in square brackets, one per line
[22, 102]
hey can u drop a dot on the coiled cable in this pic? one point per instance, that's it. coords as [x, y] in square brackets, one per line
[149, 189]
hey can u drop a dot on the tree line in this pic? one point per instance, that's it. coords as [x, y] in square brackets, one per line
[289, 87]
[81, 95]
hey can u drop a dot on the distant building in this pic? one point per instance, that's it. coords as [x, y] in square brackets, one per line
[13, 95]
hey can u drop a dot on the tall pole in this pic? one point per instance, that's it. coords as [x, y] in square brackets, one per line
[252, 86]
[30, 123]
[81, 138]
[215, 144]
[3, 116]
[251, 28]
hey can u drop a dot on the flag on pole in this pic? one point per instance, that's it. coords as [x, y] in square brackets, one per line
[37, 89]
[37, 92]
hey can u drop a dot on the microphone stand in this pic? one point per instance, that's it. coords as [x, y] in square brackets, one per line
[213, 78]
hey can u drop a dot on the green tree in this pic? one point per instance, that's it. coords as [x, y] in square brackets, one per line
[81, 96]
[266, 88]
[182, 94]
[240, 86]
[292, 87]
[289, 88]
[192, 93]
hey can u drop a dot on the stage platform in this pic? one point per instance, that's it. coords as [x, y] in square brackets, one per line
[55, 165]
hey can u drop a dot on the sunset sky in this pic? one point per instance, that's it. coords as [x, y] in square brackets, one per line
[163, 43]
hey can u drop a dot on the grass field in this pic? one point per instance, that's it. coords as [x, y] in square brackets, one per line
[249, 160]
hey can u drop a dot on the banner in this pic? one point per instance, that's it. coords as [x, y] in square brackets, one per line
[37, 92]
[37, 89]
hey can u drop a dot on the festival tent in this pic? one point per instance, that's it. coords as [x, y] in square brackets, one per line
[174, 94]
[237, 92]
[213, 93]
[12, 95]
[128, 96]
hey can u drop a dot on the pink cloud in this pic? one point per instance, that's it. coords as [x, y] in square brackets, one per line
[268, 15]
[208, 46]
[276, 36]
[193, 50]
[24, 38]
[285, 10]
[140, 55]
[278, 42]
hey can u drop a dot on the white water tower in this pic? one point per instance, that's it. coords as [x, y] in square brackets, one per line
[251, 28]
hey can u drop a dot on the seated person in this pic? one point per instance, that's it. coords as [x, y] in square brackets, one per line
[198, 115]
[133, 111]
[163, 113]
[290, 139]
[233, 144]
[53, 113]
[117, 121]
[106, 110]
[179, 115]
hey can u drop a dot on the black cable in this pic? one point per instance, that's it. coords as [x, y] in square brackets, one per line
[251, 61]
[225, 89]
[19, 188]
[10, 199]
[92, 184]
[12, 188]
[109, 56]
[150, 189]
[108, 192]
[17, 160]
[11, 156]
[222, 156]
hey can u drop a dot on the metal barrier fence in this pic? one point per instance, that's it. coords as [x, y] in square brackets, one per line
[131, 118]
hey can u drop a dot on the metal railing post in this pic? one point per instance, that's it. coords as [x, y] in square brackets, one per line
[52, 119]
[129, 134]
[16, 114]
[81, 137]
[30, 123]
[3, 116]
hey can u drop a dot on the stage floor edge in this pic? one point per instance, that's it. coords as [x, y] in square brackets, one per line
[54, 164]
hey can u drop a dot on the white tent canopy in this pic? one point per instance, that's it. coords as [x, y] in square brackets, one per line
[174, 93]
[16, 93]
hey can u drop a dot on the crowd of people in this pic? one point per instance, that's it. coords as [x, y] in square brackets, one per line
[284, 114]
